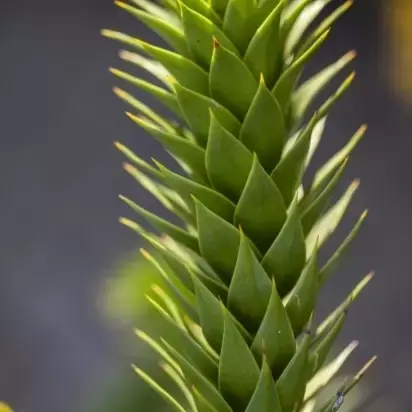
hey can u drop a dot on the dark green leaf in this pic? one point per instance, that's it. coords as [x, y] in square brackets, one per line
[265, 398]
[302, 299]
[260, 211]
[263, 130]
[228, 162]
[264, 53]
[200, 32]
[286, 257]
[249, 290]
[238, 370]
[219, 6]
[196, 110]
[275, 339]
[231, 82]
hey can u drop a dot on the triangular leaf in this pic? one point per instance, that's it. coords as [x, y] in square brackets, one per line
[260, 211]
[263, 130]
[228, 162]
[200, 32]
[238, 370]
[203, 405]
[265, 398]
[196, 110]
[227, 73]
[302, 299]
[286, 257]
[204, 8]
[264, 53]
[274, 338]
[249, 290]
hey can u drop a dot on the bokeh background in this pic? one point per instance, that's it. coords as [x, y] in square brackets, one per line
[66, 304]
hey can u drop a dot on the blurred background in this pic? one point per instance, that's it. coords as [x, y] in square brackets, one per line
[70, 274]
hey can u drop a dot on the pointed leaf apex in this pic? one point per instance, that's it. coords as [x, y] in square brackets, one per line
[351, 54]
[128, 168]
[216, 44]
[118, 145]
[262, 79]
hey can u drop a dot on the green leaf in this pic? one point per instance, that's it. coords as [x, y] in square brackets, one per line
[265, 398]
[238, 22]
[291, 383]
[264, 53]
[203, 405]
[196, 110]
[334, 261]
[308, 91]
[260, 211]
[328, 372]
[159, 11]
[200, 32]
[218, 240]
[228, 162]
[219, 6]
[328, 223]
[263, 130]
[319, 353]
[144, 109]
[249, 290]
[314, 210]
[227, 73]
[171, 34]
[203, 385]
[163, 225]
[186, 72]
[164, 96]
[217, 203]
[286, 257]
[161, 391]
[302, 299]
[204, 8]
[210, 314]
[186, 151]
[238, 370]
[323, 175]
[344, 306]
[274, 338]
[181, 384]
[287, 81]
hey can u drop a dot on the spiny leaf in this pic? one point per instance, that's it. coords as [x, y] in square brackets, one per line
[312, 212]
[328, 223]
[291, 384]
[324, 173]
[203, 385]
[200, 32]
[217, 203]
[307, 92]
[204, 8]
[331, 319]
[196, 110]
[182, 148]
[228, 162]
[161, 391]
[265, 398]
[284, 86]
[274, 338]
[260, 211]
[159, 11]
[264, 53]
[302, 300]
[218, 241]
[263, 130]
[330, 266]
[164, 96]
[224, 83]
[173, 35]
[144, 109]
[327, 373]
[181, 384]
[186, 72]
[285, 258]
[238, 370]
[249, 290]
[163, 225]
[238, 22]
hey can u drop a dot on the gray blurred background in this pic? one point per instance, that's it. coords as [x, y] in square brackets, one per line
[60, 176]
